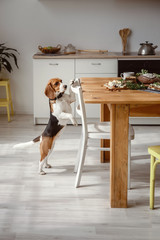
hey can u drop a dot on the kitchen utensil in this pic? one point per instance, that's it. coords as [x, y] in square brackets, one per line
[147, 49]
[124, 33]
[48, 50]
[93, 50]
[69, 49]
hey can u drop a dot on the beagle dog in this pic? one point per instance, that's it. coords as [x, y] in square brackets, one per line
[60, 113]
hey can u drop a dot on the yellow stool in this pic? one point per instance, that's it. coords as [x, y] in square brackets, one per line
[155, 159]
[6, 102]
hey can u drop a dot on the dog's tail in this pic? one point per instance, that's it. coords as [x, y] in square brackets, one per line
[26, 144]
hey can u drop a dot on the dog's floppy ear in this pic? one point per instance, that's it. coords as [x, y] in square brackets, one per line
[49, 91]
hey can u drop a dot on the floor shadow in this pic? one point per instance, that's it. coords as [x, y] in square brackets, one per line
[140, 157]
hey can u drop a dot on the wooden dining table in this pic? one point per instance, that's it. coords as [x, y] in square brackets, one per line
[118, 106]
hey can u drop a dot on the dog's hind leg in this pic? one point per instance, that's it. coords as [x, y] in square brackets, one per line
[47, 165]
[45, 150]
[41, 163]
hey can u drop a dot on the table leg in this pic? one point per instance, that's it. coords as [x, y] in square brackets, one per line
[105, 116]
[119, 155]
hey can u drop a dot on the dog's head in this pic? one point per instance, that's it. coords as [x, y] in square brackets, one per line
[54, 88]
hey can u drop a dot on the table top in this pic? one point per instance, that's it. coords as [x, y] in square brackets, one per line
[94, 91]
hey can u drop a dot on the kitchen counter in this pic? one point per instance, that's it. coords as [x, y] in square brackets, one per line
[86, 64]
[116, 55]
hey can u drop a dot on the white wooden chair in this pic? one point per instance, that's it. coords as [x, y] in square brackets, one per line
[99, 130]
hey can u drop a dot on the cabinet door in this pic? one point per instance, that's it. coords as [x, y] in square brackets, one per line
[43, 70]
[93, 110]
[95, 68]
[101, 66]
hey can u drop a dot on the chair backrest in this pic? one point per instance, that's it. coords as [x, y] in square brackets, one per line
[80, 108]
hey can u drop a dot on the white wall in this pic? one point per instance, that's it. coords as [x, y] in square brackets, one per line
[25, 24]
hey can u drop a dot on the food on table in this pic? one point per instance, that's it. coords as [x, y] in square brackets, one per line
[147, 78]
[143, 80]
[131, 79]
[154, 86]
[123, 84]
[115, 85]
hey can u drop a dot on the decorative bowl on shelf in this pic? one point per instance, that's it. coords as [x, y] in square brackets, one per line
[48, 50]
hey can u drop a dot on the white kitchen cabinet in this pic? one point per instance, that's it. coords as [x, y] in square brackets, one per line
[43, 70]
[95, 68]
[66, 69]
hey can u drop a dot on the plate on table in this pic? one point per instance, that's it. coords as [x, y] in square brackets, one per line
[154, 87]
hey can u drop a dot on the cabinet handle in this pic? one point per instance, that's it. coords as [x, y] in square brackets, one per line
[53, 64]
[96, 63]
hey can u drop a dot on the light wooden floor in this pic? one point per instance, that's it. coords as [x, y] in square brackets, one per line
[49, 207]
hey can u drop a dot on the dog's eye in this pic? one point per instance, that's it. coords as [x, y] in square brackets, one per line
[56, 84]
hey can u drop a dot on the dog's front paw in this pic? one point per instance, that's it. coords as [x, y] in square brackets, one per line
[72, 81]
[75, 122]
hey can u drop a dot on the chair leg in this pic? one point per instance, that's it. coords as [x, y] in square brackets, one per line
[81, 163]
[12, 112]
[78, 155]
[152, 182]
[8, 113]
[129, 164]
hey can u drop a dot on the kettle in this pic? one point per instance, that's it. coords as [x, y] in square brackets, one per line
[147, 49]
[69, 49]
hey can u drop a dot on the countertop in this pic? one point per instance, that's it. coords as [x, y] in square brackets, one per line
[108, 55]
